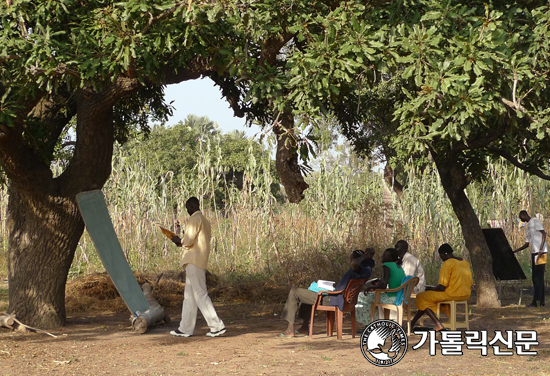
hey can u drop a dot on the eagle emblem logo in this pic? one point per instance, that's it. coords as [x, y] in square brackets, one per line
[384, 343]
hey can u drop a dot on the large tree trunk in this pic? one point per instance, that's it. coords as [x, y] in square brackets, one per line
[454, 181]
[44, 233]
[286, 159]
[44, 222]
[391, 181]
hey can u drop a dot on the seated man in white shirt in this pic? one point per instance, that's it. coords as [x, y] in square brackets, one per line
[411, 266]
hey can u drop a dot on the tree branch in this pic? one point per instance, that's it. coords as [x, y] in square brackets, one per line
[21, 164]
[24, 153]
[90, 165]
[483, 140]
[10, 57]
[199, 66]
[163, 15]
[518, 107]
[272, 46]
[59, 71]
[231, 93]
[513, 160]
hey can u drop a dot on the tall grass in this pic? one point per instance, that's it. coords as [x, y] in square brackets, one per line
[428, 219]
[257, 238]
[253, 235]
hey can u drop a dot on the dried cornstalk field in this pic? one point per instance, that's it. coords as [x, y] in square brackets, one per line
[258, 238]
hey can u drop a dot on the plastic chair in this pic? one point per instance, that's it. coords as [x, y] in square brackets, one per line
[333, 312]
[453, 324]
[407, 288]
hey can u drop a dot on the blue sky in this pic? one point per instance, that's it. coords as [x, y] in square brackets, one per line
[200, 97]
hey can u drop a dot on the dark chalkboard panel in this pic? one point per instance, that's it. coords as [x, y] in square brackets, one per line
[505, 264]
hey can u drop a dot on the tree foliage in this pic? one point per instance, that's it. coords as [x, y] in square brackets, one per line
[176, 149]
[472, 79]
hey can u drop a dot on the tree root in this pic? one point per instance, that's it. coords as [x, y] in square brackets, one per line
[10, 322]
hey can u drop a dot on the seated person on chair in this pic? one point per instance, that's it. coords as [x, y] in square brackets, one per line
[455, 283]
[392, 277]
[411, 265]
[300, 300]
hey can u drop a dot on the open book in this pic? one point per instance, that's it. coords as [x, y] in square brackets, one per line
[326, 285]
[170, 235]
[322, 285]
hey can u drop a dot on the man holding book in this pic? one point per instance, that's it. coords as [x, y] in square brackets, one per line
[301, 300]
[196, 249]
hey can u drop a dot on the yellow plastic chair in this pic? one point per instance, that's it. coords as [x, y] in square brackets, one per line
[453, 324]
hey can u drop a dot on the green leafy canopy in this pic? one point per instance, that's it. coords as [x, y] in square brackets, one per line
[473, 75]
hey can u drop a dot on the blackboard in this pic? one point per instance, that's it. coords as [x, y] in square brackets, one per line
[505, 264]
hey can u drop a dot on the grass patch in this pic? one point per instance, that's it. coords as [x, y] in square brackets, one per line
[3, 297]
[3, 261]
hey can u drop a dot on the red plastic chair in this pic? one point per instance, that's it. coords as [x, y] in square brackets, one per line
[333, 312]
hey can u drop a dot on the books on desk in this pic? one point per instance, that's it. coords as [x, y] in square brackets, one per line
[322, 285]
[326, 285]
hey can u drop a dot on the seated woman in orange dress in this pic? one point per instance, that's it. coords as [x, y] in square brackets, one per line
[455, 283]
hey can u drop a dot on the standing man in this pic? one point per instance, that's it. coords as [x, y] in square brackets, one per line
[535, 236]
[196, 249]
[411, 265]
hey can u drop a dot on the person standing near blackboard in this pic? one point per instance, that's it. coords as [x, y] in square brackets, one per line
[535, 236]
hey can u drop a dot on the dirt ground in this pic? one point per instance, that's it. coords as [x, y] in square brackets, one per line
[102, 343]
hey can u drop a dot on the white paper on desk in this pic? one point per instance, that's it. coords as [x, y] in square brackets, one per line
[328, 285]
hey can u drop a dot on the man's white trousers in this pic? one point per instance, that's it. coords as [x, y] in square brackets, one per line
[196, 297]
